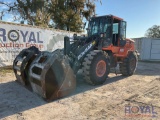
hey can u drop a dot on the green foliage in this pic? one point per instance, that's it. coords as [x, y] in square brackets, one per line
[69, 14]
[34, 11]
[153, 32]
[65, 14]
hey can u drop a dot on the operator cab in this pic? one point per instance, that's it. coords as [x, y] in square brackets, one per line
[113, 28]
[118, 31]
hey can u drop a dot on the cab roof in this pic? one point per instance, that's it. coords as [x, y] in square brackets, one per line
[113, 16]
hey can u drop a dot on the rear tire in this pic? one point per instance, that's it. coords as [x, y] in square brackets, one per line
[96, 67]
[128, 67]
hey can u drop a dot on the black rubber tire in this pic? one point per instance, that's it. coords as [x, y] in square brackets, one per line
[89, 67]
[128, 67]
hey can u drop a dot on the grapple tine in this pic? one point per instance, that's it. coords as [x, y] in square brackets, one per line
[22, 63]
[51, 76]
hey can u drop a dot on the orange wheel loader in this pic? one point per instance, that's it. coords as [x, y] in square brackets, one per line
[52, 75]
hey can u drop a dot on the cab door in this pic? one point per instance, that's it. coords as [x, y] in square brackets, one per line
[122, 32]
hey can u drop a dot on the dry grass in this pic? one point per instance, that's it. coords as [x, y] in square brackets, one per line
[4, 71]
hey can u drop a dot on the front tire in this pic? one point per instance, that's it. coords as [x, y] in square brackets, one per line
[128, 67]
[96, 67]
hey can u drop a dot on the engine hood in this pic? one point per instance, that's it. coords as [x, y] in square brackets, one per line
[130, 40]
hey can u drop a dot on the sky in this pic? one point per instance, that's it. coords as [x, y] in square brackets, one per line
[139, 14]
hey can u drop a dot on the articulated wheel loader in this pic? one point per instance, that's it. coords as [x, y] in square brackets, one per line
[52, 75]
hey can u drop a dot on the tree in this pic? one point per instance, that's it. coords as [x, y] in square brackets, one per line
[69, 14]
[153, 32]
[35, 12]
[65, 14]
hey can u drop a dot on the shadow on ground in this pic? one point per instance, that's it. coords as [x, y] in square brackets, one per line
[14, 98]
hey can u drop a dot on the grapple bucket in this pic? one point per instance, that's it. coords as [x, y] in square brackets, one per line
[22, 63]
[51, 75]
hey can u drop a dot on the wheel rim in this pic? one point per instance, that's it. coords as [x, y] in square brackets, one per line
[132, 64]
[100, 68]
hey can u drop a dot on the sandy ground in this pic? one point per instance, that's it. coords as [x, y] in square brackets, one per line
[119, 98]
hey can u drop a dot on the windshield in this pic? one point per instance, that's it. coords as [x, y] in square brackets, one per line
[98, 25]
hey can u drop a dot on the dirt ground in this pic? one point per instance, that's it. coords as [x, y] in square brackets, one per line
[119, 98]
